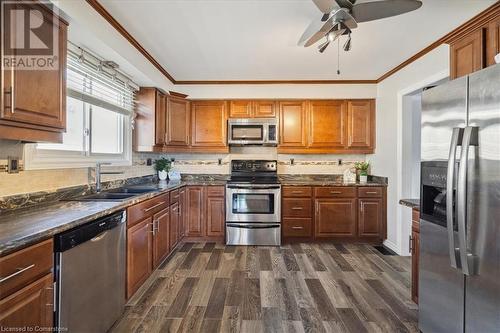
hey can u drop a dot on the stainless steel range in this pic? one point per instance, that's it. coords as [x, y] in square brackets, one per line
[253, 203]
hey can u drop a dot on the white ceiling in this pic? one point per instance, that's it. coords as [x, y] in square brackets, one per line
[257, 39]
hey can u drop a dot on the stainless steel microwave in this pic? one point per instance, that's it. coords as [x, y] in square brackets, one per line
[256, 131]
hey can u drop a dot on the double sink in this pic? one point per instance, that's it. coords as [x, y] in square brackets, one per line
[117, 194]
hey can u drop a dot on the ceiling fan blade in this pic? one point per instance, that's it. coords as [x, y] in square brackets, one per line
[317, 29]
[326, 6]
[369, 10]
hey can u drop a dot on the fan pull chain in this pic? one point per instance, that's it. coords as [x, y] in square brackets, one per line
[338, 56]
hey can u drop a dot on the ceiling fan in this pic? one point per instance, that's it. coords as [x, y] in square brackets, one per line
[340, 17]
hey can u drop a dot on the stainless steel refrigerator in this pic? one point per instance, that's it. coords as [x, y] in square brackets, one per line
[459, 279]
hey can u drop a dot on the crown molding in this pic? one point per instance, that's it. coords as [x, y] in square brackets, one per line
[477, 21]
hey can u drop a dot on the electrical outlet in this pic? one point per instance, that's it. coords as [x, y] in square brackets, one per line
[172, 159]
[12, 164]
[292, 161]
[340, 161]
[220, 161]
[149, 162]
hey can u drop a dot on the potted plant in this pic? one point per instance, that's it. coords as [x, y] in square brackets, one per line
[362, 168]
[163, 166]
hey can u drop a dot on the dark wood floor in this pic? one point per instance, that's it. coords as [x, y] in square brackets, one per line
[294, 288]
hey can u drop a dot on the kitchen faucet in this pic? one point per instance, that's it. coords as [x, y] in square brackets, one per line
[98, 174]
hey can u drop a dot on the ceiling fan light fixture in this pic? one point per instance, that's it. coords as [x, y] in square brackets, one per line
[348, 43]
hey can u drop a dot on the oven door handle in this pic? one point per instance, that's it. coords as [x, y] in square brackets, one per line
[247, 226]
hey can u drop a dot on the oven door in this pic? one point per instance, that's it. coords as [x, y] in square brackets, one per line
[247, 204]
[242, 134]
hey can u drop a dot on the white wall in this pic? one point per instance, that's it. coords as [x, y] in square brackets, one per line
[387, 158]
[280, 91]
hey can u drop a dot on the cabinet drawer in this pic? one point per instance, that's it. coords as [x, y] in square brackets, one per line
[174, 196]
[20, 268]
[370, 192]
[296, 191]
[215, 191]
[297, 227]
[297, 207]
[334, 192]
[146, 208]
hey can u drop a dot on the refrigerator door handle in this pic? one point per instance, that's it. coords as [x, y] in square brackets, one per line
[470, 138]
[450, 184]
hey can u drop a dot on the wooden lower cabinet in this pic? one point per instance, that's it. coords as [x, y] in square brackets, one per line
[194, 214]
[161, 235]
[30, 307]
[415, 254]
[335, 217]
[370, 215]
[174, 225]
[215, 216]
[139, 254]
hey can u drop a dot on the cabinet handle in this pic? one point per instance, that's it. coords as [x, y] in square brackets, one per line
[19, 271]
[410, 243]
[297, 228]
[153, 230]
[297, 192]
[153, 207]
[10, 91]
[371, 192]
[297, 208]
[335, 192]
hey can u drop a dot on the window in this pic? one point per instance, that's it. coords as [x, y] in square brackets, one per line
[99, 107]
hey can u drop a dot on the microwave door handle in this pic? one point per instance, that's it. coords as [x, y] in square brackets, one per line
[469, 138]
[450, 182]
[265, 133]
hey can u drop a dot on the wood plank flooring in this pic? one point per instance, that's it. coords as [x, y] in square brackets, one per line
[320, 287]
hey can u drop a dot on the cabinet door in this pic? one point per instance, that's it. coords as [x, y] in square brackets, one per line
[139, 255]
[194, 202]
[174, 225]
[335, 217]
[240, 109]
[160, 114]
[370, 217]
[327, 123]
[467, 54]
[215, 216]
[264, 109]
[182, 212]
[293, 129]
[38, 97]
[30, 307]
[178, 121]
[493, 41]
[361, 124]
[161, 242]
[209, 124]
[415, 249]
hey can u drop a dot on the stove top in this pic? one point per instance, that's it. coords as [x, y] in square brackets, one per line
[254, 172]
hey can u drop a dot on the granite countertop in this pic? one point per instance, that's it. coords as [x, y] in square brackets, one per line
[27, 226]
[412, 203]
[327, 180]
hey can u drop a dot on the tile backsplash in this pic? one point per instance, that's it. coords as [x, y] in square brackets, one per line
[47, 180]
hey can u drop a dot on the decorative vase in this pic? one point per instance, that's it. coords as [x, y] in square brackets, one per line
[162, 175]
[363, 178]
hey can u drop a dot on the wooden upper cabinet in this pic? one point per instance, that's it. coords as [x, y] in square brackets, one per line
[361, 124]
[493, 41]
[177, 122]
[264, 109]
[467, 54]
[252, 109]
[209, 125]
[150, 121]
[327, 124]
[240, 109]
[293, 124]
[33, 102]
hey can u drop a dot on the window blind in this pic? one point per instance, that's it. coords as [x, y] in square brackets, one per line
[90, 80]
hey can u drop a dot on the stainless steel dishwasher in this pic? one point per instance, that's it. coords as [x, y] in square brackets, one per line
[90, 275]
